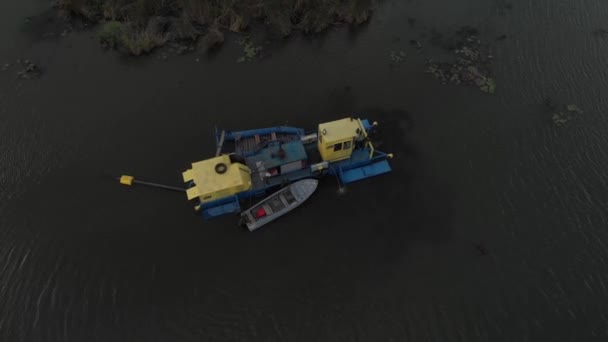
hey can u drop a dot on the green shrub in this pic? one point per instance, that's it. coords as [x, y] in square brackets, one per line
[111, 34]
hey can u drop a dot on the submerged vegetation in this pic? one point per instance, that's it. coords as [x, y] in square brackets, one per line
[250, 51]
[26, 69]
[397, 57]
[139, 26]
[472, 66]
[562, 117]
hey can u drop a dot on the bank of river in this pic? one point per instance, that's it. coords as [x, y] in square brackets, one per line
[138, 27]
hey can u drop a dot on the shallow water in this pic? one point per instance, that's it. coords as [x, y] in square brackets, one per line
[390, 259]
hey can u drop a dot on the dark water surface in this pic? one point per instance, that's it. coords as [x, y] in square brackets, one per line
[392, 259]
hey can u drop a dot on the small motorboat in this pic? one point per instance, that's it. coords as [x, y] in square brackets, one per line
[278, 204]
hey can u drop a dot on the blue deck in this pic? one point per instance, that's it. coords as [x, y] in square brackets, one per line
[270, 158]
[224, 206]
[363, 172]
[232, 135]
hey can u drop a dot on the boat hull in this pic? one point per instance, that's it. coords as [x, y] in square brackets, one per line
[278, 204]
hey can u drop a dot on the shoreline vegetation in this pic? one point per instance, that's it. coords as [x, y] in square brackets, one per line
[140, 26]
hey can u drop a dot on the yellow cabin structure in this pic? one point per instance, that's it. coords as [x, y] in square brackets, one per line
[217, 178]
[336, 139]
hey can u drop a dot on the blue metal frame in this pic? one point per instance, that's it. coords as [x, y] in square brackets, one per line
[231, 135]
[221, 207]
[368, 127]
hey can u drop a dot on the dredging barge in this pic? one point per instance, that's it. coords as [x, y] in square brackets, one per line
[252, 163]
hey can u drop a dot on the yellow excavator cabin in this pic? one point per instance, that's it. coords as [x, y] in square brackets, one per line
[336, 139]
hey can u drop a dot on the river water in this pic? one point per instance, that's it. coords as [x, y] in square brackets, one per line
[390, 259]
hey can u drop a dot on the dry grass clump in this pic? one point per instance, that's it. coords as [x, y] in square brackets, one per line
[190, 18]
[135, 40]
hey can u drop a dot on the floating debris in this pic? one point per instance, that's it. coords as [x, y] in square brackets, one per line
[250, 50]
[472, 66]
[397, 57]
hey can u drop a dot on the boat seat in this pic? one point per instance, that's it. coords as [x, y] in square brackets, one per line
[276, 205]
[289, 197]
[260, 212]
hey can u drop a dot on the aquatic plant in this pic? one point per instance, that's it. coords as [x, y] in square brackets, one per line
[563, 117]
[397, 57]
[111, 34]
[573, 108]
[488, 85]
[250, 50]
[472, 65]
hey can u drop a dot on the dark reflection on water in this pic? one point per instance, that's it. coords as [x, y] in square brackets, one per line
[393, 258]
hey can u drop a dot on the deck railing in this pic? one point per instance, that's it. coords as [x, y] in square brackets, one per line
[371, 149]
